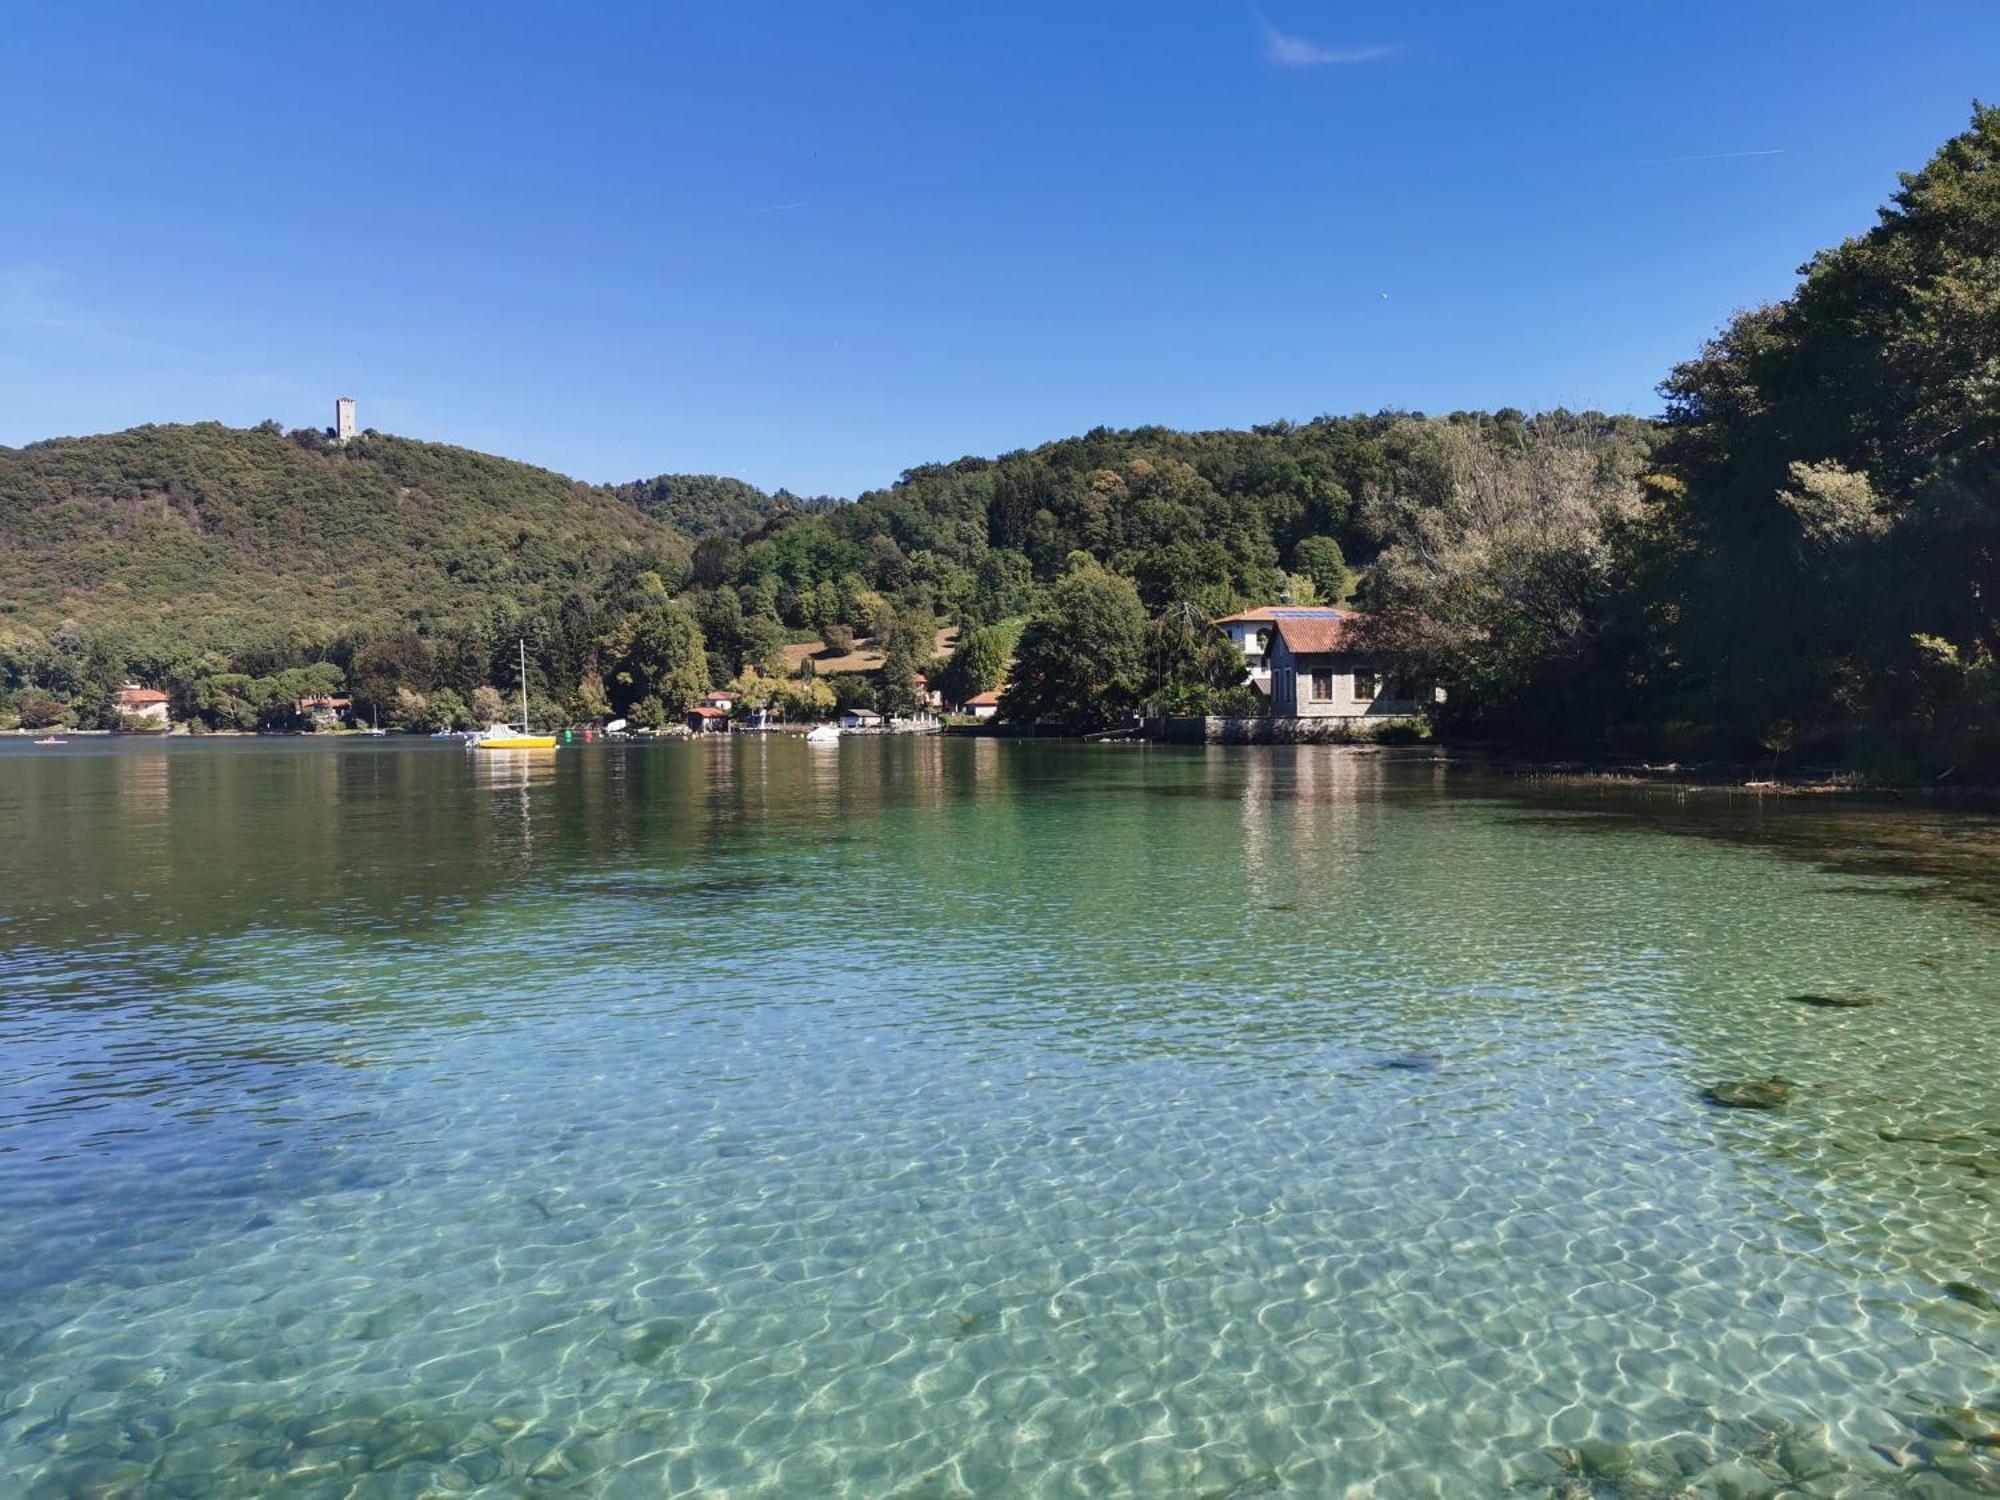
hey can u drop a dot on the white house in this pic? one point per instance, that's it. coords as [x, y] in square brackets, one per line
[1318, 672]
[147, 704]
[1252, 632]
[982, 705]
[860, 718]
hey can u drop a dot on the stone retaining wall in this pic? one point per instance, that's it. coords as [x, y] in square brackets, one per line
[1271, 730]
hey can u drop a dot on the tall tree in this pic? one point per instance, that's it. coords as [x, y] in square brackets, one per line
[1502, 565]
[1831, 565]
[1082, 658]
[665, 665]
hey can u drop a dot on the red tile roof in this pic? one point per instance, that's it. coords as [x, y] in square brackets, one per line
[708, 713]
[1324, 631]
[133, 697]
[1264, 613]
[981, 700]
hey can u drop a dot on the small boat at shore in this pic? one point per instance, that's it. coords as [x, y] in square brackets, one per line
[823, 734]
[52, 740]
[513, 736]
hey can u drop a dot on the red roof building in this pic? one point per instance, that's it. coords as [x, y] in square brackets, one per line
[1321, 669]
[135, 702]
[1252, 630]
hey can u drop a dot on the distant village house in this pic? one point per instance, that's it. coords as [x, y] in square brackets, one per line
[325, 712]
[147, 704]
[706, 719]
[860, 718]
[982, 705]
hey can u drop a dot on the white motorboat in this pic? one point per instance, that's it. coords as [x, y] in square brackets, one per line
[823, 734]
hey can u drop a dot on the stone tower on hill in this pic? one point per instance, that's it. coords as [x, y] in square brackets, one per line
[343, 418]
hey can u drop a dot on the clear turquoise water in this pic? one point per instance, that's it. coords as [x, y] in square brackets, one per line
[970, 1119]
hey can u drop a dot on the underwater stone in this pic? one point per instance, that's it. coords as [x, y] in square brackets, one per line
[1979, 1166]
[655, 1339]
[1839, 999]
[1971, 1426]
[551, 1467]
[1411, 1062]
[1926, 1135]
[1764, 1093]
[1803, 1459]
[1603, 1460]
[1966, 1292]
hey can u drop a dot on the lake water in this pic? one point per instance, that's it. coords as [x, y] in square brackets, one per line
[954, 1118]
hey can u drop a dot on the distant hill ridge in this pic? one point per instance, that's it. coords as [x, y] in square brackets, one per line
[215, 535]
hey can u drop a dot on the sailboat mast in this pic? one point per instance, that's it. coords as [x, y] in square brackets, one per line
[523, 642]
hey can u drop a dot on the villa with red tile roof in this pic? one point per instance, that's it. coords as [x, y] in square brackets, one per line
[1253, 631]
[149, 704]
[1318, 670]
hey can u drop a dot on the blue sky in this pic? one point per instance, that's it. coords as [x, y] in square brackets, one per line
[813, 245]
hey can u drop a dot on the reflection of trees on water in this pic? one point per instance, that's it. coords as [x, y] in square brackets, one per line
[1938, 849]
[263, 913]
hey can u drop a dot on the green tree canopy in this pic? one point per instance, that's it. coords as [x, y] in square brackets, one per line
[1081, 660]
[666, 664]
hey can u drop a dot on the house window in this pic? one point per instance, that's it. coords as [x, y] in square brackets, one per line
[1322, 687]
[1366, 686]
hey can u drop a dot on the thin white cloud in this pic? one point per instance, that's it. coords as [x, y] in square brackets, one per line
[1284, 51]
[773, 208]
[1719, 156]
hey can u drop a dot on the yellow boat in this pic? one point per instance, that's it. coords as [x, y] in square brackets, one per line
[507, 736]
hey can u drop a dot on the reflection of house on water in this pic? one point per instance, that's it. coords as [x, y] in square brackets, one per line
[145, 796]
[1305, 810]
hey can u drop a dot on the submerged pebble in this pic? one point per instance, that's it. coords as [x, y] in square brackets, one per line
[1839, 999]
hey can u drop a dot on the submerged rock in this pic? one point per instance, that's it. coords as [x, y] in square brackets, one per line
[1756, 1093]
[1972, 1296]
[1603, 1460]
[1410, 1062]
[1838, 999]
[1927, 1135]
[1969, 1425]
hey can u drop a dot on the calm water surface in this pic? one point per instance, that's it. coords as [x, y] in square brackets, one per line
[934, 1119]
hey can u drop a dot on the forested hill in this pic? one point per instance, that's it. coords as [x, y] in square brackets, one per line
[214, 537]
[699, 505]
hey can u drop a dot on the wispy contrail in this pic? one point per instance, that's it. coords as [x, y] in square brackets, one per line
[773, 208]
[1296, 52]
[1718, 156]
